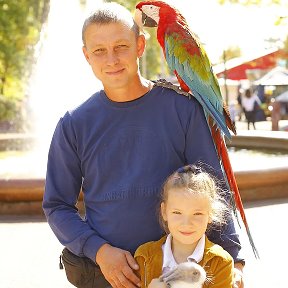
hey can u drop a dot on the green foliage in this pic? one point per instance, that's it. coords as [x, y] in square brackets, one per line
[20, 26]
[152, 61]
[154, 54]
[230, 53]
[7, 108]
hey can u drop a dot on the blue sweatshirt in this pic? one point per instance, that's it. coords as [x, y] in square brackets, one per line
[120, 154]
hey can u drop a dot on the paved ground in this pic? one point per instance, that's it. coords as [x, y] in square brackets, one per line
[29, 251]
[266, 220]
[29, 254]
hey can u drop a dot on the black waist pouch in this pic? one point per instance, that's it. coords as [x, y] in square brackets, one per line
[82, 272]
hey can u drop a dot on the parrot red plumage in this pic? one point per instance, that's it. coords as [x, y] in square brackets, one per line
[187, 58]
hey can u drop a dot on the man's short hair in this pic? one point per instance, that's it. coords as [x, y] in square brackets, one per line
[110, 13]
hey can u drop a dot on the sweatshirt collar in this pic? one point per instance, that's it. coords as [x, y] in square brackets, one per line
[127, 104]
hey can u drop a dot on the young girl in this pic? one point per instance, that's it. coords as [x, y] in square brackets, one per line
[190, 203]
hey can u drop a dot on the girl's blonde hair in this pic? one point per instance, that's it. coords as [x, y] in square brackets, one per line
[195, 180]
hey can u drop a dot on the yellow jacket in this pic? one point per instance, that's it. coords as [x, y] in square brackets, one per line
[217, 263]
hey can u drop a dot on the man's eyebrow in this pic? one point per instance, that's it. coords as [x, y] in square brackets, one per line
[116, 42]
[122, 40]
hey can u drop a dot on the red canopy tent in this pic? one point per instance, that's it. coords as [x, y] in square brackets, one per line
[236, 69]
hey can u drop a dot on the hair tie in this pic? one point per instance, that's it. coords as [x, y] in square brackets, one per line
[189, 168]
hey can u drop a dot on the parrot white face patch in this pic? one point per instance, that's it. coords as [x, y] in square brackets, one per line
[152, 12]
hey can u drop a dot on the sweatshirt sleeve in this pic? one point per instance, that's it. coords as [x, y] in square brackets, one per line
[62, 189]
[200, 148]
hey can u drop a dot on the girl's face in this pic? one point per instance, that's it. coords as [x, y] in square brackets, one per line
[187, 216]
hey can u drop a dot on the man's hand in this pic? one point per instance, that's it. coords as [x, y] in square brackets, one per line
[117, 266]
[238, 276]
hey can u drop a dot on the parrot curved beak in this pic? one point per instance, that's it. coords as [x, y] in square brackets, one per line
[147, 21]
[143, 20]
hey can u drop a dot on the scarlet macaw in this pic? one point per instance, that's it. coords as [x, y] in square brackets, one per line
[187, 58]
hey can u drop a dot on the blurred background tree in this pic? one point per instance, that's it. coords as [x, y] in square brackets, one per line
[280, 20]
[230, 53]
[20, 26]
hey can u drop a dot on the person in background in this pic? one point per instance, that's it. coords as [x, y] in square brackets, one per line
[191, 203]
[118, 147]
[250, 102]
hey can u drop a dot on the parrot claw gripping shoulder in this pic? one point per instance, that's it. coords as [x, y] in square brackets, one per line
[169, 85]
[188, 60]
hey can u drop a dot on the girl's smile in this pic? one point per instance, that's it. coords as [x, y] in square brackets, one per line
[186, 233]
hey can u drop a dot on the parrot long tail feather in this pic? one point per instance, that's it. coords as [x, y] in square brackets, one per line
[255, 251]
[230, 177]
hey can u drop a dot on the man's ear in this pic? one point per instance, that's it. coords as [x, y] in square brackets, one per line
[163, 211]
[86, 54]
[141, 44]
[210, 220]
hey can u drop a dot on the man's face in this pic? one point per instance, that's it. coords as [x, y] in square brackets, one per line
[112, 50]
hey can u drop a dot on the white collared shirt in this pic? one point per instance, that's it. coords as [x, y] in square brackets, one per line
[169, 262]
[248, 103]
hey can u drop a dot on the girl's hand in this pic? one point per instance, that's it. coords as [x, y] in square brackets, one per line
[238, 276]
[156, 283]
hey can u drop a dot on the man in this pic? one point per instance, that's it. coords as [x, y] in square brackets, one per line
[119, 146]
